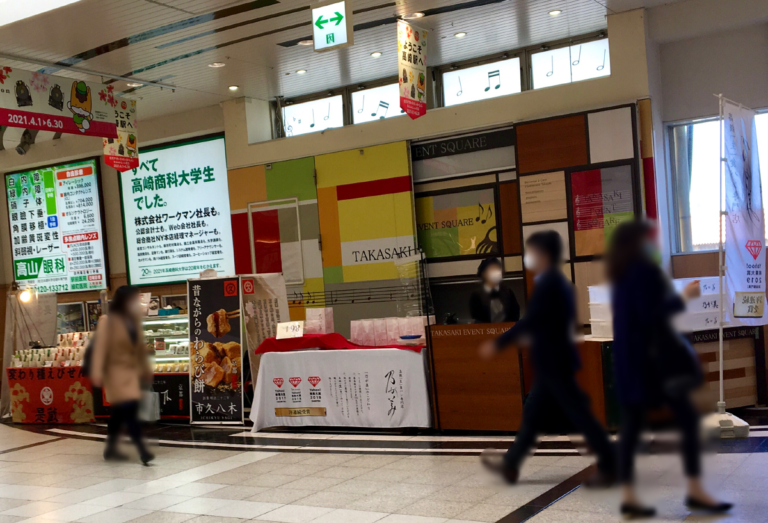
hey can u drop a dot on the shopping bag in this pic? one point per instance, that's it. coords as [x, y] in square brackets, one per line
[149, 406]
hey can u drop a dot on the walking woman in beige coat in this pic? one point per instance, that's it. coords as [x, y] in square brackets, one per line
[121, 366]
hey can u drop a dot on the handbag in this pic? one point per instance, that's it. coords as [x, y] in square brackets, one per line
[149, 405]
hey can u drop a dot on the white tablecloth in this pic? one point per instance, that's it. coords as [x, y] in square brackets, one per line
[379, 388]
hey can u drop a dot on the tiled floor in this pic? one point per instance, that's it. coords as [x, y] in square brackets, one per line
[51, 479]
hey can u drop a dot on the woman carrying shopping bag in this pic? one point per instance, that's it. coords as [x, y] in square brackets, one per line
[121, 366]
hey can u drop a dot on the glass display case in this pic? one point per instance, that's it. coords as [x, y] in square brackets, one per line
[168, 338]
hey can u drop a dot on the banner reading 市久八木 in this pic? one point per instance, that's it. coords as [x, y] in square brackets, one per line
[412, 68]
[215, 353]
[745, 223]
[34, 100]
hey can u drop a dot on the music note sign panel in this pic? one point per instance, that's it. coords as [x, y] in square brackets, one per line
[457, 224]
[412, 69]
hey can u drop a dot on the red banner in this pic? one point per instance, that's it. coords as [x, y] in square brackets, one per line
[50, 395]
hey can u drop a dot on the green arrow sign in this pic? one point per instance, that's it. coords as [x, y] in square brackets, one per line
[338, 18]
[320, 22]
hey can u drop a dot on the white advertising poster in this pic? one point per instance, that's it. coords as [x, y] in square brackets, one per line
[176, 213]
[745, 226]
[377, 388]
[56, 233]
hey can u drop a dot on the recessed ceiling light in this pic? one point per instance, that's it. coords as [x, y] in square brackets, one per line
[555, 12]
[413, 16]
[460, 35]
[217, 64]
[13, 11]
[233, 88]
[375, 54]
[134, 84]
[301, 71]
[306, 42]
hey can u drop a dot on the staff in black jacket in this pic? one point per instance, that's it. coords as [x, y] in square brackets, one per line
[548, 327]
[494, 303]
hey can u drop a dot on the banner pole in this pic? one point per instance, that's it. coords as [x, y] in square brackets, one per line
[721, 403]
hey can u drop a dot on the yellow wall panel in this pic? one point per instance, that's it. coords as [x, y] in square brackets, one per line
[370, 272]
[246, 185]
[375, 163]
[369, 218]
[328, 210]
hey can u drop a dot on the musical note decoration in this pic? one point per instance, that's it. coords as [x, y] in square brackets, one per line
[393, 293]
[484, 214]
[552, 67]
[313, 119]
[494, 74]
[461, 89]
[601, 67]
[325, 118]
[578, 60]
[382, 105]
[362, 106]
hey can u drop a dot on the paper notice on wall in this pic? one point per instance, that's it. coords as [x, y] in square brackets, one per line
[412, 68]
[745, 226]
[265, 304]
[122, 152]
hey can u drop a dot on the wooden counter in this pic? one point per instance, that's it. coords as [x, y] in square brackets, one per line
[472, 393]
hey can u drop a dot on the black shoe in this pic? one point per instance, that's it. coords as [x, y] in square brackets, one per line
[497, 465]
[600, 479]
[114, 455]
[146, 457]
[717, 508]
[629, 511]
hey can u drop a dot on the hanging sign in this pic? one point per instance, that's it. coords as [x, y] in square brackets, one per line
[412, 69]
[122, 152]
[745, 226]
[215, 354]
[56, 234]
[332, 25]
[33, 100]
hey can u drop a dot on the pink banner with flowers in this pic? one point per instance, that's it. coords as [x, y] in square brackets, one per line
[412, 69]
[122, 152]
[33, 100]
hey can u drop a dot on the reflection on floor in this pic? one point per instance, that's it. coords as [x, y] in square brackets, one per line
[57, 474]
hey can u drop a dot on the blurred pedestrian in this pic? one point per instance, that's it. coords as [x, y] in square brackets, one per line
[654, 364]
[121, 365]
[494, 302]
[548, 326]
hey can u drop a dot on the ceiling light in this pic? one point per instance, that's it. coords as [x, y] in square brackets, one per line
[555, 12]
[460, 35]
[306, 42]
[13, 11]
[134, 84]
[25, 295]
[301, 71]
[233, 88]
[413, 16]
[216, 64]
[375, 54]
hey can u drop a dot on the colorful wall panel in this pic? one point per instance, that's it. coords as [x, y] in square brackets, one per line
[366, 212]
[457, 224]
[601, 200]
[551, 145]
[510, 220]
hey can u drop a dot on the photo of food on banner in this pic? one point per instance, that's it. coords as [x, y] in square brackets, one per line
[216, 353]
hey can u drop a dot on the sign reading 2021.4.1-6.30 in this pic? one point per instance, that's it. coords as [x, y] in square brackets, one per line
[55, 223]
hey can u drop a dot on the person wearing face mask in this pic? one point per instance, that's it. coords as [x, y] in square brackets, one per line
[120, 365]
[654, 364]
[548, 328]
[494, 303]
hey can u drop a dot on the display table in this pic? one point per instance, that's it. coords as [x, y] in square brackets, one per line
[50, 395]
[375, 388]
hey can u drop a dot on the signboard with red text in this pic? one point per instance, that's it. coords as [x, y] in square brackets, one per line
[412, 68]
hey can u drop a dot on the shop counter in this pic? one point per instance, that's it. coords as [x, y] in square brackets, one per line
[472, 393]
[50, 395]
[342, 386]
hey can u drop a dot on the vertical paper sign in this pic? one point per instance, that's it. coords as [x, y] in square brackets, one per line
[215, 354]
[122, 153]
[412, 69]
[745, 227]
[264, 305]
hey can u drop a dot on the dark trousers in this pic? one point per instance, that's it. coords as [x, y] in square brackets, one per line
[632, 420]
[565, 392]
[125, 415]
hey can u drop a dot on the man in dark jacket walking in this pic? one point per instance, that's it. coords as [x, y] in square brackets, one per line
[548, 327]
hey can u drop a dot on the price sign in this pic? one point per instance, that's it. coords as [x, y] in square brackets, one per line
[290, 329]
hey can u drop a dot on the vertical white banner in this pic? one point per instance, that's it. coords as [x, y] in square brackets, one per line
[745, 225]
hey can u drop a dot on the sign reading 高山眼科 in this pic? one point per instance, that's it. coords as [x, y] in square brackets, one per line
[332, 25]
[176, 213]
[56, 234]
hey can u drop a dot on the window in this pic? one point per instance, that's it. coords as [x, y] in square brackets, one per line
[571, 64]
[481, 82]
[376, 103]
[695, 169]
[314, 116]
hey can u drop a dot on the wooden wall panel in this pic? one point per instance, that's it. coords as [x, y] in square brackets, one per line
[694, 265]
[510, 218]
[552, 144]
